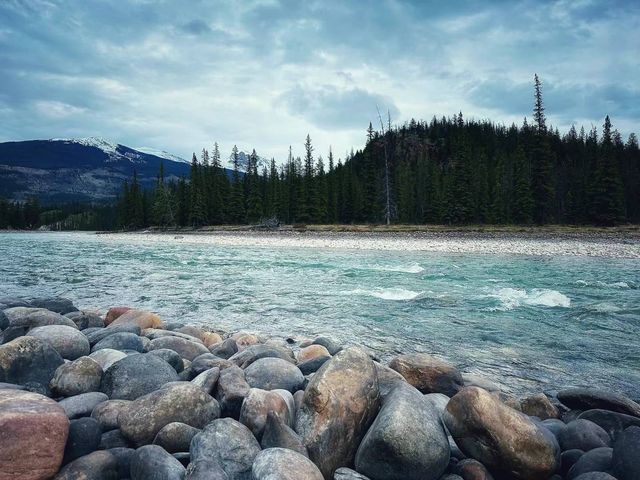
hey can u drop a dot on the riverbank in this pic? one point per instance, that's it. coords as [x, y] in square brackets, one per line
[131, 395]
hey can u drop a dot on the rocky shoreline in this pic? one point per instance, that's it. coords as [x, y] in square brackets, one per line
[129, 395]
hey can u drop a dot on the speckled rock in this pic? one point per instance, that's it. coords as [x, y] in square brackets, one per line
[311, 352]
[69, 342]
[539, 406]
[84, 438]
[107, 357]
[284, 464]
[428, 374]
[255, 407]
[272, 373]
[277, 434]
[28, 360]
[626, 454]
[135, 376]
[152, 462]
[231, 391]
[140, 318]
[100, 465]
[185, 348]
[106, 413]
[175, 437]
[80, 376]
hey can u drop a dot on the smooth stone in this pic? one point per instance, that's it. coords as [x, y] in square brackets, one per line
[123, 457]
[87, 320]
[82, 405]
[135, 376]
[312, 351]
[406, 440]
[231, 391]
[277, 434]
[595, 460]
[331, 346]
[84, 438]
[208, 380]
[140, 318]
[284, 464]
[69, 342]
[229, 444]
[36, 317]
[33, 433]
[54, 304]
[588, 399]
[225, 349]
[339, 405]
[626, 454]
[244, 340]
[313, 365]
[255, 352]
[10, 302]
[344, 473]
[4, 321]
[11, 386]
[595, 476]
[205, 470]
[142, 419]
[107, 357]
[568, 459]
[506, 441]
[583, 435]
[113, 313]
[291, 405]
[185, 348]
[439, 402]
[98, 335]
[193, 331]
[428, 374]
[154, 333]
[113, 439]
[612, 422]
[99, 465]
[207, 361]
[80, 376]
[106, 413]
[475, 380]
[171, 357]
[28, 360]
[471, 469]
[211, 338]
[554, 425]
[255, 407]
[11, 333]
[120, 341]
[272, 373]
[175, 437]
[152, 462]
[539, 406]
[387, 379]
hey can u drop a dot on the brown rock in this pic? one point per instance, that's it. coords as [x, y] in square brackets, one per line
[243, 340]
[211, 338]
[114, 313]
[311, 352]
[185, 348]
[339, 405]
[428, 374]
[141, 318]
[33, 434]
[539, 406]
[257, 405]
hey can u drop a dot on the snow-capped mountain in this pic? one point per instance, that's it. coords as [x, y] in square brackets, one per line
[83, 169]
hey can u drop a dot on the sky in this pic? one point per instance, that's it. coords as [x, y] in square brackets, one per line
[179, 75]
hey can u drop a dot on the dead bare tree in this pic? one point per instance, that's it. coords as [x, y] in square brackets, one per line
[388, 213]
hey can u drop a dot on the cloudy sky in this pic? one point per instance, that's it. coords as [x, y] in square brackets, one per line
[262, 74]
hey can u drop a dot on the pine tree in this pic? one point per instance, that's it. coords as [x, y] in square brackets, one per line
[254, 200]
[236, 203]
[522, 205]
[543, 192]
[197, 206]
[606, 206]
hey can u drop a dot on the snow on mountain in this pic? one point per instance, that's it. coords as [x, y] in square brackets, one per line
[105, 145]
[161, 154]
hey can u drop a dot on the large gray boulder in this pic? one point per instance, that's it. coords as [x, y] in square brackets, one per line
[100, 465]
[185, 348]
[406, 441]
[277, 434]
[152, 462]
[175, 437]
[583, 435]
[36, 317]
[257, 405]
[284, 464]
[274, 373]
[98, 335]
[69, 342]
[120, 341]
[504, 440]
[141, 420]
[107, 357]
[82, 405]
[587, 399]
[135, 376]
[231, 391]
[612, 422]
[80, 376]
[428, 374]
[255, 352]
[339, 404]
[626, 455]
[54, 304]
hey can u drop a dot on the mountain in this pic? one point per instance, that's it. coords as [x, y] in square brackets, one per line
[79, 169]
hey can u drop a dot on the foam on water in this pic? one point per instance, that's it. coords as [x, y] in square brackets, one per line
[413, 268]
[511, 298]
[584, 283]
[396, 294]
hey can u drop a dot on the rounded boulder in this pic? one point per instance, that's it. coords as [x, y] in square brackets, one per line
[69, 342]
[135, 376]
[274, 373]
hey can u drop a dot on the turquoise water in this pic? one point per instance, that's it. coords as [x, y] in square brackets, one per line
[530, 323]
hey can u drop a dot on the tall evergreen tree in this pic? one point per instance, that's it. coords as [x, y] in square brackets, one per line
[543, 192]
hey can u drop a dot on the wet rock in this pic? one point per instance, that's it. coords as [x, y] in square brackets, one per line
[344, 473]
[228, 444]
[4, 321]
[277, 434]
[155, 333]
[207, 361]
[114, 313]
[338, 406]
[87, 320]
[313, 365]
[225, 349]
[583, 435]
[171, 357]
[474, 380]
[539, 406]
[255, 407]
[554, 425]
[54, 304]
[208, 380]
[472, 470]
[438, 401]
[28, 360]
[113, 439]
[11, 333]
[84, 438]
[387, 379]
[142, 419]
[311, 352]
[69, 342]
[612, 422]
[588, 399]
[152, 462]
[120, 341]
[406, 440]
[80, 376]
[106, 413]
[175, 437]
[626, 454]
[244, 340]
[135, 376]
[255, 352]
[272, 373]
[82, 405]
[331, 346]
[284, 464]
[231, 390]
[595, 460]
[33, 433]
[140, 318]
[568, 459]
[428, 374]
[185, 348]
[291, 405]
[107, 357]
[123, 458]
[100, 465]
[211, 338]
[193, 331]
[501, 438]
[205, 470]
[10, 302]
[36, 317]
[98, 335]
